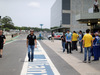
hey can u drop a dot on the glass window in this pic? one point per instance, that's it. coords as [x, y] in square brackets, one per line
[66, 18]
[66, 4]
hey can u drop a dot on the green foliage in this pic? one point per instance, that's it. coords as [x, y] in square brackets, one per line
[7, 29]
[54, 27]
[6, 20]
[7, 24]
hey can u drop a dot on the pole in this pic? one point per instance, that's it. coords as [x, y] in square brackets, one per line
[41, 25]
[0, 22]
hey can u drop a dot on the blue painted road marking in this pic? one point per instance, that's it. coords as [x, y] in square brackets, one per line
[40, 66]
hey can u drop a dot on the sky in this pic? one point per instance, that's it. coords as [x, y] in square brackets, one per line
[30, 13]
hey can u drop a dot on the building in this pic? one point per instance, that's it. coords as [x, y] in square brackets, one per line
[63, 14]
[90, 18]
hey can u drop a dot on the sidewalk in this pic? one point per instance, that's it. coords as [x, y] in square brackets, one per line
[41, 65]
[75, 59]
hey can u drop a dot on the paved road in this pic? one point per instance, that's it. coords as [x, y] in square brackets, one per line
[54, 50]
[13, 56]
[62, 66]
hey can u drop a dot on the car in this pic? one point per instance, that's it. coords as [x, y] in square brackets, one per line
[56, 36]
[49, 37]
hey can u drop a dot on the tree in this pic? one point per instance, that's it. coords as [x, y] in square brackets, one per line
[54, 27]
[7, 22]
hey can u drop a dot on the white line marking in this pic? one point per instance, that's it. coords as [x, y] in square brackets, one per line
[10, 42]
[25, 66]
[49, 61]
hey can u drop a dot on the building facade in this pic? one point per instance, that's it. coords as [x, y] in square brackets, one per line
[63, 14]
[91, 17]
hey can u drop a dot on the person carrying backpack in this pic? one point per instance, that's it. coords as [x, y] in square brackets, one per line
[96, 45]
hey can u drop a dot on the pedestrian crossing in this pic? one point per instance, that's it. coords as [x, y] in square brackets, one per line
[42, 65]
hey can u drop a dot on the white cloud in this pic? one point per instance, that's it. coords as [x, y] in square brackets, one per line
[34, 4]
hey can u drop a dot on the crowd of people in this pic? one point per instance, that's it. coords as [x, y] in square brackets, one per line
[90, 42]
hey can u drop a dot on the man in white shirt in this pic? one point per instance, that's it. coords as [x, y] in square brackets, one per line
[96, 5]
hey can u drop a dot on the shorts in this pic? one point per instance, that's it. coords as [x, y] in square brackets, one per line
[1, 46]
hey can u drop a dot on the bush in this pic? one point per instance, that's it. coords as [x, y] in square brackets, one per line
[7, 29]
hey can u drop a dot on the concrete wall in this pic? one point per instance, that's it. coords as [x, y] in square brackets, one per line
[56, 13]
[77, 7]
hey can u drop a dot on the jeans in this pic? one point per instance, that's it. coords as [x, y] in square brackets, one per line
[74, 45]
[31, 52]
[87, 49]
[63, 45]
[68, 50]
[80, 43]
[96, 52]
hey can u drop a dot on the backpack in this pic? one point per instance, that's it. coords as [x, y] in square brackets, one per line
[98, 41]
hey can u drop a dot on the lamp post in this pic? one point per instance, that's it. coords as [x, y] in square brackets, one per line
[41, 25]
[40, 35]
[0, 22]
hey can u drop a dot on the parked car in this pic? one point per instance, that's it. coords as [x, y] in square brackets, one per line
[49, 37]
[56, 36]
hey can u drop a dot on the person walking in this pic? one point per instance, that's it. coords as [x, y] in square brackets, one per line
[53, 37]
[31, 44]
[63, 41]
[87, 44]
[40, 36]
[2, 42]
[74, 40]
[80, 41]
[68, 41]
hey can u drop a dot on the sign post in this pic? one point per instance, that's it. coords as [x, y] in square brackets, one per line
[41, 25]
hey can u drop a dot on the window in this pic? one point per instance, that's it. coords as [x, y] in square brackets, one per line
[66, 4]
[66, 18]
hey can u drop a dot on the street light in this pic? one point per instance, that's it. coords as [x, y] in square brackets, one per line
[0, 22]
[41, 25]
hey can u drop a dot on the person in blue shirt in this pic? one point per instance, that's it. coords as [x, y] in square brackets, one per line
[40, 36]
[68, 41]
[80, 41]
[96, 45]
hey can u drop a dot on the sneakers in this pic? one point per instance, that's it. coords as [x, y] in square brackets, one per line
[89, 61]
[81, 52]
[30, 60]
[86, 62]
[95, 60]
[63, 51]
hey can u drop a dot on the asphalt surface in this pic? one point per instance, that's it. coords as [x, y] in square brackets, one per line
[62, 66]
[14, 54]
[13, 57]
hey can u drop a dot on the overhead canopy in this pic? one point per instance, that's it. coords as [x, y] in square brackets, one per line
[88, 17]
[61, 29]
